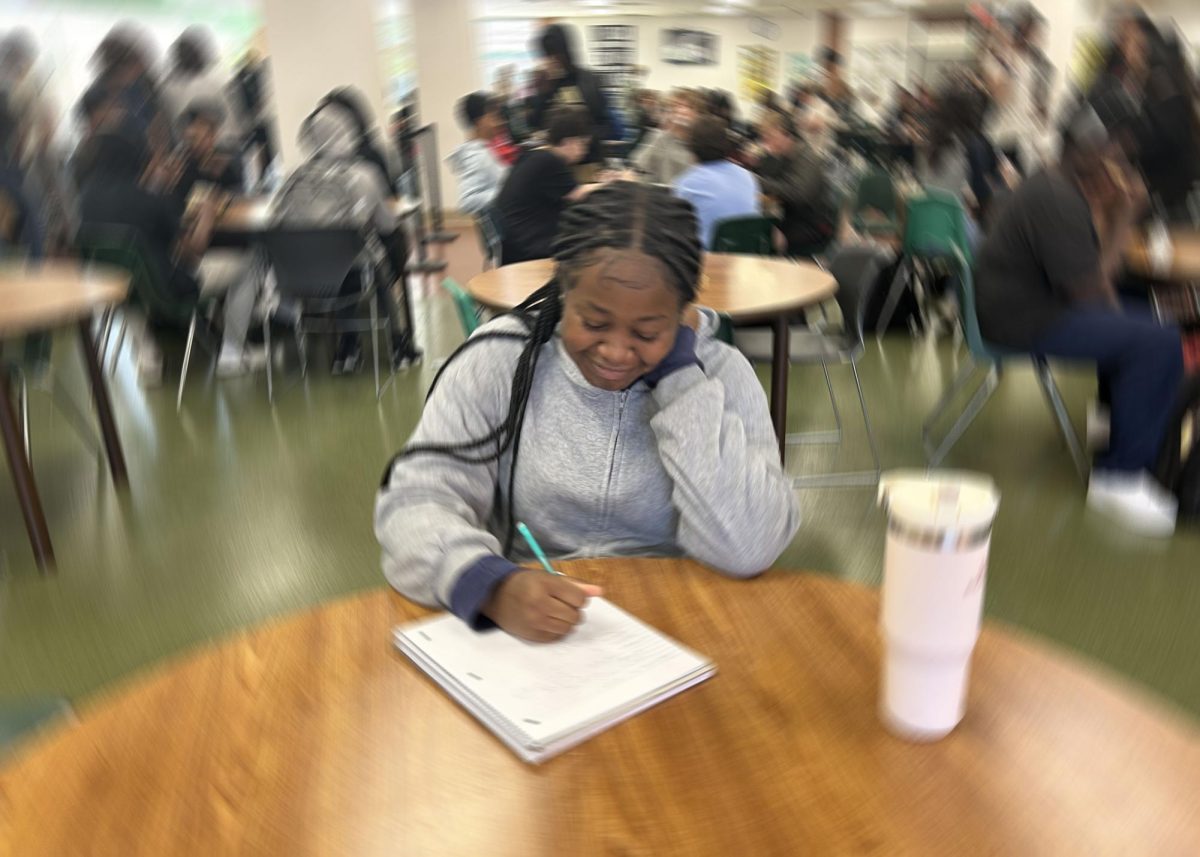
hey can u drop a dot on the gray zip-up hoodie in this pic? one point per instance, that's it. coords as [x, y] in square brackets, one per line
[689, 468]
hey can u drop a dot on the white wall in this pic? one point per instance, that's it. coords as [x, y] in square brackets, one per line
[306, 63]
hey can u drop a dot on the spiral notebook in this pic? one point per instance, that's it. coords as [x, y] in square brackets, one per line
[543, 698]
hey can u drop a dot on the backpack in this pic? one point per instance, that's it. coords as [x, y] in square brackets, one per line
[1179, 461]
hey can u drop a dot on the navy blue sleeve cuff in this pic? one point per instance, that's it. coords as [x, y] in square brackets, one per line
[475, 586]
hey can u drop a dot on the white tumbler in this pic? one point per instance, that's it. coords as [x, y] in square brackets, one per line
[935, 568]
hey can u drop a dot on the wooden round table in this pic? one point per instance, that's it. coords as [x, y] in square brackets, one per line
[1185, 262]
[313, 736]
[35, 298]
[749, 289]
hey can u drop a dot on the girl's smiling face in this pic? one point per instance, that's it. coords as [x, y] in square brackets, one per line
[620, 317]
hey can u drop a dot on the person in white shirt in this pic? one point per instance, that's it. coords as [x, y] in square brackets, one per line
[194, 76]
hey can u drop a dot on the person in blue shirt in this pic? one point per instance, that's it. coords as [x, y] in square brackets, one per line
[717, 188]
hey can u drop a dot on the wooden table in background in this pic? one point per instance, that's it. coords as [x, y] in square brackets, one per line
[35, 298]
[749, 289]
[313, 736]
[1185, 263]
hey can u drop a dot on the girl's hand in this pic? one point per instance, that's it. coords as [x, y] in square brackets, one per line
[537, 606]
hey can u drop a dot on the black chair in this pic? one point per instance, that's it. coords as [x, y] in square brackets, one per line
[310, 266]
[856, 270]
[490, 238]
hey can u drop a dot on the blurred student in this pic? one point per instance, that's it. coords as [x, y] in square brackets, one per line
[123, 61]
[717, 188]
[193, 77]
[204, 158]
[541, 185]
[174, 241]
[568, 84]
[666, 154]
[333, 186]
[479, 173]
[20, 221]
[1045, 285]
[520, 427]
[794, 173]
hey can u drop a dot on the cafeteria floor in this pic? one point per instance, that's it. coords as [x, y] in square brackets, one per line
[238, 512]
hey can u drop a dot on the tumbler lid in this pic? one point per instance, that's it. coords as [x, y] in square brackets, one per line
[943, 508]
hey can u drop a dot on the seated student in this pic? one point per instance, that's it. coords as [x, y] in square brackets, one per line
[479, 173]
[20, 220]
[716, 188]
[793, 173]
[334, 187]
[665, 154]
[540, 185]
[1045, 285]
[203, 158]
[520, 426]
[175, 245]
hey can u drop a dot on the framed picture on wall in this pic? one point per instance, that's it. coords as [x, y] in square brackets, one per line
[688, 47]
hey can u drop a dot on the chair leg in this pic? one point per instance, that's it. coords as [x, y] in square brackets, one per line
[104, 331]
[862, 402]
[301, 350]
[23, 413]
[270, 361]
[960, 381]
[990, 382]
[187, 358]
[375, 341]
[116, 353]
[1046, 381]
[893, 298]
[849, 479]
[835, 436]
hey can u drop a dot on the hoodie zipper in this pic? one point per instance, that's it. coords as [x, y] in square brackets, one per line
[612, 459]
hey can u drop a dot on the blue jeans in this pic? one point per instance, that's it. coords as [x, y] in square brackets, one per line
[1139, 361]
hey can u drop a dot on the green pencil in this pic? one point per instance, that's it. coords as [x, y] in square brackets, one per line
[536, 548]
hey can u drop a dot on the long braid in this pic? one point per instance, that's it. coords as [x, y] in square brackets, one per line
[622, 215]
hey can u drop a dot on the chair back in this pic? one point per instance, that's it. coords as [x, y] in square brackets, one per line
[875, 192]
[936, 226]
[125, 247]
[464, 304]
[311, 264]
[490, 238]
[750, 235]
[857, 271]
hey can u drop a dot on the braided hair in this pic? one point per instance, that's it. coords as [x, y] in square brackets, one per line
[622, 215]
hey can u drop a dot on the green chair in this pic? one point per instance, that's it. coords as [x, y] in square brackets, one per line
[750, 235]
[875, 210]
[935, 236]
[124, 247]
[469, 312]
[990, 359]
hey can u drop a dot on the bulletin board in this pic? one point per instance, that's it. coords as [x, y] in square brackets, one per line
[758, 71]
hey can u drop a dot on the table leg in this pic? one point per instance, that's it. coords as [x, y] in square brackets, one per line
[108, 428]
[22, 474]
[780, 364]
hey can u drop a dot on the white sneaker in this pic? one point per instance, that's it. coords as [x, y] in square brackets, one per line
[233, 362]
[1136, 500]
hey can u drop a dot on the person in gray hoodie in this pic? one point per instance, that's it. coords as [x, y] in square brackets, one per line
[479, 174]
[636, 431]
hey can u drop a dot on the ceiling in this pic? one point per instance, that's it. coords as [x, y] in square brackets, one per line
[656, 8]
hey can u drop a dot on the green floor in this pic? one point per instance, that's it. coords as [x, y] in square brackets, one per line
[239, 512]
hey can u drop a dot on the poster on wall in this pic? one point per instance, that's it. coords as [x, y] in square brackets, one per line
[758, 68]
[688, 47]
